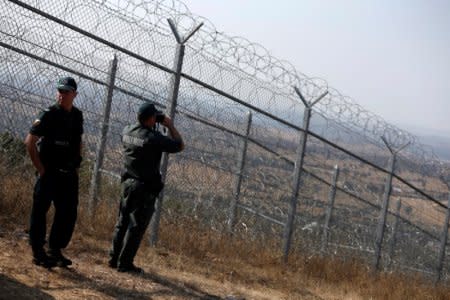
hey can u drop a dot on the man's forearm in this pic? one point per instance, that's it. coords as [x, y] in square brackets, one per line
[79, 154]
[176, 135]
[30, 143]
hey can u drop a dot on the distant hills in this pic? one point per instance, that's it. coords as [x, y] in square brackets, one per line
[439, 140]
[440, 145]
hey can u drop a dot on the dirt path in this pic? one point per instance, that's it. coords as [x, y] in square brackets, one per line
[90, 278]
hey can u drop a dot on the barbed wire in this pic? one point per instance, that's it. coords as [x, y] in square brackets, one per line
[133, 24]
[241, 55]
[36, 50]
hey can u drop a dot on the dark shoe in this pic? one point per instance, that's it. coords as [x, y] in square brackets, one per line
[112, 263]
[130, 269]
[43, 260]
[59, 259]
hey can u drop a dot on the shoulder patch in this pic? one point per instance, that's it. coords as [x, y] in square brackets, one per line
[36, 122]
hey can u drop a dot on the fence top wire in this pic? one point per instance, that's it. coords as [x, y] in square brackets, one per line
[133, 27]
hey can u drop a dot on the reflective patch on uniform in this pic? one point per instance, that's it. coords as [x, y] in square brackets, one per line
[36, 122]
[132, 140]
[62, 143]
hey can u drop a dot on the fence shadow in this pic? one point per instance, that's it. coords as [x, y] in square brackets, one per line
[13, 289]
[265, 151]
[169, 288]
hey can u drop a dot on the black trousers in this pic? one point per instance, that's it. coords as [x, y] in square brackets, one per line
[136, 209]
[61, 188]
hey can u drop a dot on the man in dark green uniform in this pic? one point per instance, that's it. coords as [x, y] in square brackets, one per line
[54, 145]
[141, 182]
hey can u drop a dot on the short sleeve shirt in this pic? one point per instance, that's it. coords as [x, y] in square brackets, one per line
[60, 134]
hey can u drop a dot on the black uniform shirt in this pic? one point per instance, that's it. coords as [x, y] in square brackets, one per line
[60, 132]
[143, 148]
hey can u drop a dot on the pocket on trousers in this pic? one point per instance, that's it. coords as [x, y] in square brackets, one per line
[132, 192]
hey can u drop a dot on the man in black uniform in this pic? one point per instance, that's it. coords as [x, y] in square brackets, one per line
[141, 182]
[54, 145]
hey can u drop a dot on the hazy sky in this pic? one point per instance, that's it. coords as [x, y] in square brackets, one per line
[391, 57]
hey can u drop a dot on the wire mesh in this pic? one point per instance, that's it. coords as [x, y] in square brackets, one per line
[223, 79]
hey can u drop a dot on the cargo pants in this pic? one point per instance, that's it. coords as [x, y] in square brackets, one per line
[135, 211]
[61, 188]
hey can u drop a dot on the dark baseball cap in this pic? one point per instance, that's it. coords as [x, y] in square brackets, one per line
[147, 110]
[66, 84]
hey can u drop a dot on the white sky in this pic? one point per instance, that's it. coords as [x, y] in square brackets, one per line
[391, 57]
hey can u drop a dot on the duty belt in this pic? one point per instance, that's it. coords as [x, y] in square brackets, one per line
[64, 171]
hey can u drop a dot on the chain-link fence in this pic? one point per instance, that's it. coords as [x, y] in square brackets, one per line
[271, 153]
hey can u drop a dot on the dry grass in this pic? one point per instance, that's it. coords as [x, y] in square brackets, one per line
[188, 247]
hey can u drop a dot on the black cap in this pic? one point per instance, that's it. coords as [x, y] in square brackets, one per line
[147, 110]
[66, 84]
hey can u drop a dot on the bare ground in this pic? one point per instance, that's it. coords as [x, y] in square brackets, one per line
[91, 278]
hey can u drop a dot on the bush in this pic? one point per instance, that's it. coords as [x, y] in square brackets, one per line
[13, 148]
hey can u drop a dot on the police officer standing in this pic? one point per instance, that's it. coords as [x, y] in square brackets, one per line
[141, 182]
[54, 145]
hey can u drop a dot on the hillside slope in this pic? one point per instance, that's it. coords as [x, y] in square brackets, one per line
[90, 278]
[191, 262]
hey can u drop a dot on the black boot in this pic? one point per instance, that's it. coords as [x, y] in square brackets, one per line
[40, 258]
[112, 262]
[60, 260]
[131, 268]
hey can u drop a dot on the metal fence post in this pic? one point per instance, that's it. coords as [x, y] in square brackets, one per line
[331, 198]
[385, 204]
[239, 175]
[289, 226]
[175, 86]
[444, 237]
[100, 152]
[394, 232]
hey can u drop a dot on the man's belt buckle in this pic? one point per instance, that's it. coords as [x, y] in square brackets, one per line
[63, 171]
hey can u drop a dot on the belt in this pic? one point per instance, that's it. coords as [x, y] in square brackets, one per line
[64, 171]
[128, 176]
